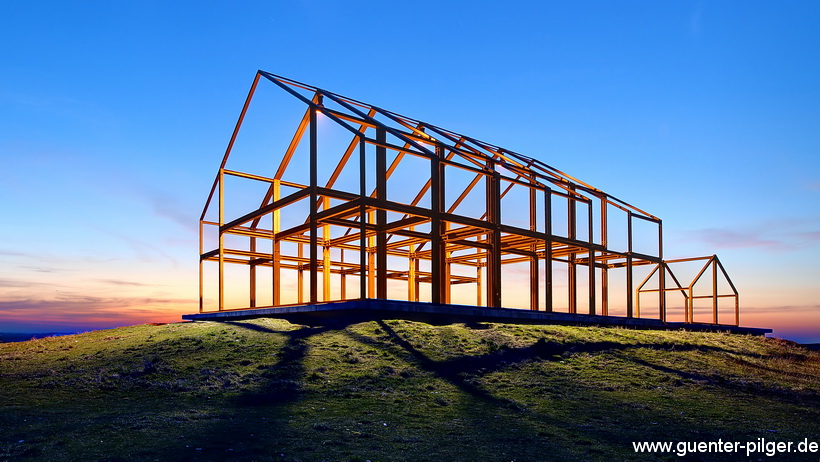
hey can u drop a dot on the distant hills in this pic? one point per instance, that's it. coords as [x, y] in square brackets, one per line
[7, 337]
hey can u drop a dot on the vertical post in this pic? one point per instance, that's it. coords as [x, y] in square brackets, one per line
[714, 291]
[300, 275]
[689, 309]
[447, 265]
[411, 274]
[662, 290]
[494, 255]
[686, 306]
[604, 290]
[363, 259]
[314, 197]
[534, 250]
[572, 276]
[637, 304]
[252, 271]
[447, 273]
[629, 263]
[548, 249]
[325, 254]
[343, 276]
[381, 213]
[442, 228]
[661, 275]
[221, 239]
[418, 284]
[737, 309]
[201, 276]
[437, 258]
[690, 304]
[276, 268]
[478, 285]
[604, 267]
[411, 271]
[591, 259]
[371, 258]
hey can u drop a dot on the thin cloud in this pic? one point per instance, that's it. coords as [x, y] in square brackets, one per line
[19, 283]
[144, 250]
[43, 269]
[167, 206]
[84, 307]
[163, 204]
[122, 282]
[13, 253]
[811, 236]
[83, 313]
[780, 236]
[731, 239]
[779, 310]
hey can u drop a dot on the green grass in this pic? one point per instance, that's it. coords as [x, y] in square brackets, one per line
[266, 389]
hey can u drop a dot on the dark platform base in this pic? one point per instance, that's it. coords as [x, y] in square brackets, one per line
[360, 310]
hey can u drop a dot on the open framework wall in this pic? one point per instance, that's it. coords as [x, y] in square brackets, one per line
[333, 199]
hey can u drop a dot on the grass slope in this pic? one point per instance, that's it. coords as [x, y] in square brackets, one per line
[266, 389]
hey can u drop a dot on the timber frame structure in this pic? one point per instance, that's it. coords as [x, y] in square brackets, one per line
[446, 226]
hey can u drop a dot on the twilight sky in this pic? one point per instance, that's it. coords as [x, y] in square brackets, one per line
[114, 117]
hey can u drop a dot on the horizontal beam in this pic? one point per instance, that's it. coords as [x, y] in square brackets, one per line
[287, 200]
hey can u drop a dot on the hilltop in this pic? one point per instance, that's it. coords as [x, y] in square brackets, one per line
[266, 389]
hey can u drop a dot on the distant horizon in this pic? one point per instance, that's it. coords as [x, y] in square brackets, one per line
[806, 338]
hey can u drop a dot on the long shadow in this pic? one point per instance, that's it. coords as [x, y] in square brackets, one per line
[284, 377]
[439, 369]
[247, 425]
[555, 351]
[256, 327]
[751, 365]
[723, 382]
[542, 349]
[283, 380]
[455, 370]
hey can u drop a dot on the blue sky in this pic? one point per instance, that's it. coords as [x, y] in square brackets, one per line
[114, 116]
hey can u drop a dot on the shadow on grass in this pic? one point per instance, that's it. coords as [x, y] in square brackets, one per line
[283, 380]
[740, 384]
[795, 358]
[283, 386]
[541, 350]
[440, 369]
[460, 370]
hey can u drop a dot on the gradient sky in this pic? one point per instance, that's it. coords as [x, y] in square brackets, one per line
[114, 117]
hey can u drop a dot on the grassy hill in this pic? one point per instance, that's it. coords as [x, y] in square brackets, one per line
[266, 389]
